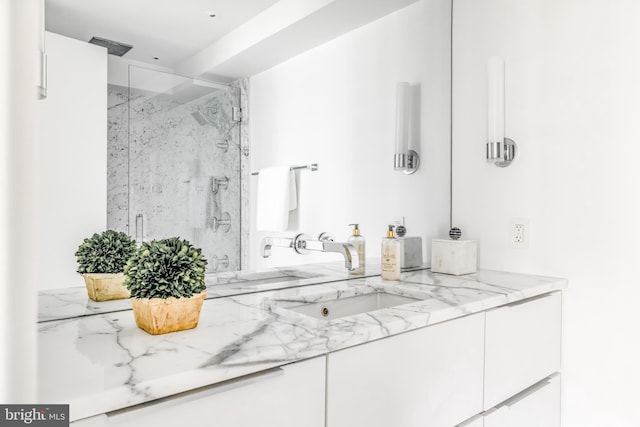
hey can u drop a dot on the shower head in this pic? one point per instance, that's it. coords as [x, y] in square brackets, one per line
[201, 118]
[113, 47]
[204, 119]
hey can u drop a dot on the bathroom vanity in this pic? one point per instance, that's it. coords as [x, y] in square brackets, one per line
[475, 350]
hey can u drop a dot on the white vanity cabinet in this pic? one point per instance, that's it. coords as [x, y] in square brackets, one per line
[427, 377]
[522, 346]
[497, 368]
[538, 406]
[289, 396]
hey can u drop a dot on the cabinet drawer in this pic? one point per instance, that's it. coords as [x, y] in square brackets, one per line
[290, 396]
[522, 346]
[427, 377]
[538, 406]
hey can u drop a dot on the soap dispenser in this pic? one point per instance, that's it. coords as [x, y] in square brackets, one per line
[390, 256]
[358, 242]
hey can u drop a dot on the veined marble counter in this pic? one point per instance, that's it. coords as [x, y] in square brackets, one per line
[103, 362]
[68, 303]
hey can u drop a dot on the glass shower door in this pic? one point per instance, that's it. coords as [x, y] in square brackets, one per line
[184, 163]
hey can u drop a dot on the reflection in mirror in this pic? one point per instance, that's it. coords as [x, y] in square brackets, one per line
[174, 162]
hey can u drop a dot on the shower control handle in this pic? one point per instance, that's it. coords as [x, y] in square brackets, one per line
[220, 182]
[139, 228]
[223, 221]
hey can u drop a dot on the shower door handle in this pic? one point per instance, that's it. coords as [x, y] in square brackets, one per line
[139, 228]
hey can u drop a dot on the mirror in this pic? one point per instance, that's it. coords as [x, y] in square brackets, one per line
[175, 163]
[334, 106]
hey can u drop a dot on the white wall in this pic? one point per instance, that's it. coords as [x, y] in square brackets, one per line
[72, 157]
[572, 105]
[335, 106]
[19, 43]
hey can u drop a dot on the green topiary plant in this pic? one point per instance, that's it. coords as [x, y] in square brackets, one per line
[165, 268]
[106, 252]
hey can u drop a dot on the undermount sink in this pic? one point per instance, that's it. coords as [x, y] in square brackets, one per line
[269, 280]
[253, 279]
[350, 306]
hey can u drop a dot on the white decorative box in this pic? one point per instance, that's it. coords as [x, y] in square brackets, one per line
[454, 256]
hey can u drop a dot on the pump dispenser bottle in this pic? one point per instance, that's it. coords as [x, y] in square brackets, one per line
[390, 256]
[358, 242]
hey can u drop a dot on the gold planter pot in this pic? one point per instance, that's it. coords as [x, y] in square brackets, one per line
[160, 316]
[105, 287]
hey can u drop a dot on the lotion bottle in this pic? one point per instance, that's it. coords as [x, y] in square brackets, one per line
[358, 242]
[390, 256]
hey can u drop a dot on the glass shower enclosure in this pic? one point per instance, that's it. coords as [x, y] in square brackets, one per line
[184, 163]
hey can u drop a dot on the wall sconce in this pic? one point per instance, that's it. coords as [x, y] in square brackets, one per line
[404, 159]
[501, 151]
[42, 55]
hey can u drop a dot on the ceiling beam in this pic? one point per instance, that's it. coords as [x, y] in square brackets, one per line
[283, 31]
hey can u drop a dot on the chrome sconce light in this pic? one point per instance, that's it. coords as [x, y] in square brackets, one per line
[501, 151]
[42, 55]
[404, 159]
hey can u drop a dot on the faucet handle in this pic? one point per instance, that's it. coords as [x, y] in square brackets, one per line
[325, 237]
[300, 243]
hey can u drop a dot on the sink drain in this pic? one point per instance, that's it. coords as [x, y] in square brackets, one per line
[324, 311]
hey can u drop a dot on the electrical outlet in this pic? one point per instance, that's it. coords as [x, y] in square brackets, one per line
[520, 233]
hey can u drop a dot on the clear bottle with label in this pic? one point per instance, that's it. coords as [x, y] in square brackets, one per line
[390, 256]
[358, 242]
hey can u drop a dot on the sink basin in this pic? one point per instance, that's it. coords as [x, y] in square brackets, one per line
[350, 306]
[252, 279]
[269, 280]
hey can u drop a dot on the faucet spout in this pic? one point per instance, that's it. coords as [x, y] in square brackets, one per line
[347, 250]
[302, 244]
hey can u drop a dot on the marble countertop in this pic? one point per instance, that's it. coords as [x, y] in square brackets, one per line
[100, 361]
[68, 303]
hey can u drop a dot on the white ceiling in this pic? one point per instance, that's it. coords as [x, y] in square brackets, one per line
[171, 30]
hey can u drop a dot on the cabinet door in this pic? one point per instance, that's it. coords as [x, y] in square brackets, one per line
[290, 396]
[428, 377]
[522, 346]
[538, 406]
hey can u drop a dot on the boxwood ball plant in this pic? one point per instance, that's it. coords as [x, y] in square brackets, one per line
[105, 252]
[165, 268]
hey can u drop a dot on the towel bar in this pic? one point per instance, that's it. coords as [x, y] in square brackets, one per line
[312, 167]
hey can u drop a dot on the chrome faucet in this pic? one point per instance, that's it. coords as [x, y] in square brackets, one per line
[267, 242]
[303, 244]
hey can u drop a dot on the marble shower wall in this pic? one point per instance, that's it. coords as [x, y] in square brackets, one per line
[117, 158]
[163, 164]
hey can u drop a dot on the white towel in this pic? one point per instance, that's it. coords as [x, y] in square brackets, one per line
[293, 196]
[274, 198]
[199, 201]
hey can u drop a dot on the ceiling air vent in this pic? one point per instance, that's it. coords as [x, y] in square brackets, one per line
[114, 48]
